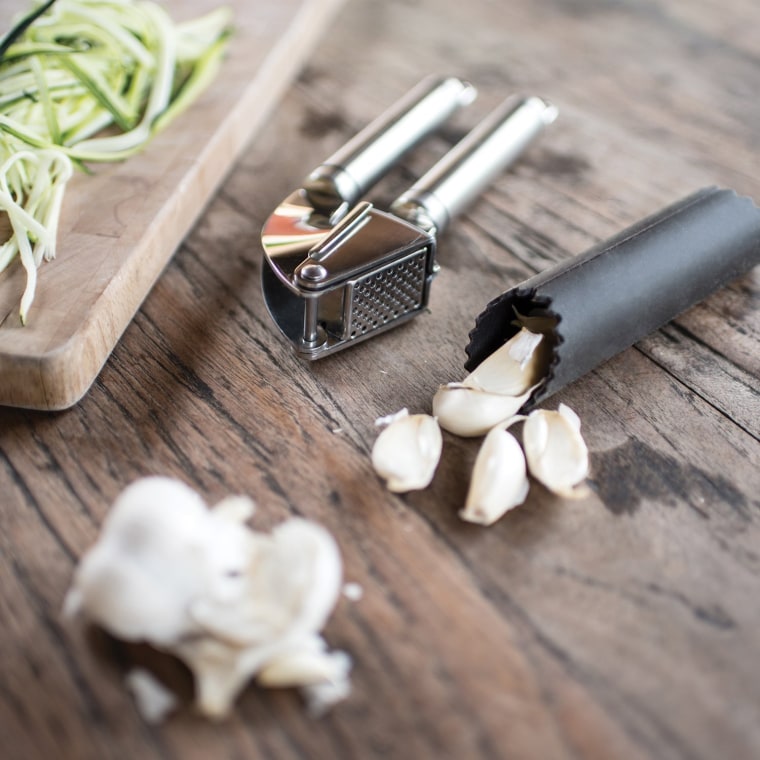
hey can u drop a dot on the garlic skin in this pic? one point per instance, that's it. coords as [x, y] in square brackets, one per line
[153, 700]
[556, 452]
[407, 451]
[470, 412]
[499, 479]
[198, 583]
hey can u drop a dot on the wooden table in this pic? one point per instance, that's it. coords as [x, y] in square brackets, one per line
[625, 625]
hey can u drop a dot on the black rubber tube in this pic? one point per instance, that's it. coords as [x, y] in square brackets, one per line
[619, 291]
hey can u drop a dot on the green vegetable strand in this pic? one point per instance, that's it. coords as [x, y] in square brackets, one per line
[85, 81]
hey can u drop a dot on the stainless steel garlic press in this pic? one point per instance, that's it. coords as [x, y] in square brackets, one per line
[339, 270]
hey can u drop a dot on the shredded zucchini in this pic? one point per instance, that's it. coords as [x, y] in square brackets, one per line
[86, 81]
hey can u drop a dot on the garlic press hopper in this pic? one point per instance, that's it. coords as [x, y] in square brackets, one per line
[337, 269]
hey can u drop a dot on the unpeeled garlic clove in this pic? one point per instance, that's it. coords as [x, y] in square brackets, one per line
[469, 412]
[512, 369]
[556, 452]
[499, 479]
[407, 451]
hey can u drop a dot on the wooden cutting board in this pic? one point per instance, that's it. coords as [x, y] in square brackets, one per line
[120, 226]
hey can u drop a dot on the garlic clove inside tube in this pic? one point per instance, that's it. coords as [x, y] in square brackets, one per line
[499, 479]
[407, 451]
[555, 450]
[512, 369]
[470, 412]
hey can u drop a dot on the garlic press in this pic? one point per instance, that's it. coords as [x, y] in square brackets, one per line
[337, 269]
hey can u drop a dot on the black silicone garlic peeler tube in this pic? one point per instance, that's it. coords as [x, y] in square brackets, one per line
[614, 294]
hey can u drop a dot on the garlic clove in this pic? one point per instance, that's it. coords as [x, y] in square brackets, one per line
[556, 452]
[407, 451]
[499, 479]
[469, 412]
[511, 369]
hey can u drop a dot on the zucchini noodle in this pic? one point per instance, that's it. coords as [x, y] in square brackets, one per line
[85, 81]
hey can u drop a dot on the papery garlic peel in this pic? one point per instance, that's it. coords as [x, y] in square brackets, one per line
[230, 602]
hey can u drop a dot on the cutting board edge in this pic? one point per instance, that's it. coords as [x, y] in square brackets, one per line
[61, 376]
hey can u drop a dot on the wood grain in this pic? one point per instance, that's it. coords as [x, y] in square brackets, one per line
[122, 224]
[621, 626]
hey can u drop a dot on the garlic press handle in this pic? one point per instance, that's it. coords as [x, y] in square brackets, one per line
[454, 182]
[338, 183]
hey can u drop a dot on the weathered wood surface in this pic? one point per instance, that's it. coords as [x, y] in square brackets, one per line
[122, 223]
[624, 625]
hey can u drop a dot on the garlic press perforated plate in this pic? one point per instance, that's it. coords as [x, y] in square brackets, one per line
[339, 270]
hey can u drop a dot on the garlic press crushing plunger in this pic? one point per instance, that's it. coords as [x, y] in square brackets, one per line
[338, 270]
